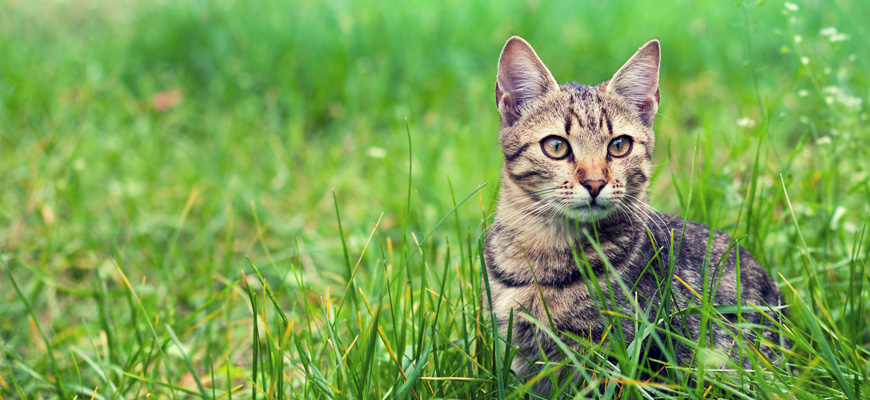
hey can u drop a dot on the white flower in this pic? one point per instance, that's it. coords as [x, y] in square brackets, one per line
[798, 39]
[840, 37]
[803, 93]
[823, 140]
[828, 31]
[833, 35]
[850, 101]
[791, 6]
[376, 152]
[838, 95]
[805, 61]
[746, 122]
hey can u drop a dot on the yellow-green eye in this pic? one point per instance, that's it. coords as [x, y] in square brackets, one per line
[620, 147]
[555, 147]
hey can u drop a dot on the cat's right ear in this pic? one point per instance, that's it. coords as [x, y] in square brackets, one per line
[522, 76]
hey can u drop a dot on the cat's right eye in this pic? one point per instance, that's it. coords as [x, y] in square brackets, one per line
[555, 147]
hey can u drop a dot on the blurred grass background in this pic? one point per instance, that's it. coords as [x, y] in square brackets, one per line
[177, 138]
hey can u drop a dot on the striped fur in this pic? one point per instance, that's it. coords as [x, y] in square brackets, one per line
[546, 214]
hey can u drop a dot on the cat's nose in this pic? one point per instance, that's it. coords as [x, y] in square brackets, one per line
[594, 186]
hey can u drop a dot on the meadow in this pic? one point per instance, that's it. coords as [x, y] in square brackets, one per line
[271, 199]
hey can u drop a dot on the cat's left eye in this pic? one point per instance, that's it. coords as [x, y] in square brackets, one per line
[620, 147]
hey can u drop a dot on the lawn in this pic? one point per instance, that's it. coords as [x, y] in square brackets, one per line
[272, 199]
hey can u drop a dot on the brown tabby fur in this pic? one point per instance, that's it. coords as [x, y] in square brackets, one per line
[545, 213]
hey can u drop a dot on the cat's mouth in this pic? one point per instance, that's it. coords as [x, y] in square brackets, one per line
[589, 211]
[588, 205]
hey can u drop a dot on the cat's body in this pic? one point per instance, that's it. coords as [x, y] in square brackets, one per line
[577, 165]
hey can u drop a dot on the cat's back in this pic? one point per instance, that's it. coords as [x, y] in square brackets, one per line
[702, 254]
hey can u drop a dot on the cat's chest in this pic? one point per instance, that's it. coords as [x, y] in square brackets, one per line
[547, 284]
[554, 279]
[555, 261]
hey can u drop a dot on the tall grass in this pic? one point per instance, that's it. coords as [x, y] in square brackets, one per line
[306, 220]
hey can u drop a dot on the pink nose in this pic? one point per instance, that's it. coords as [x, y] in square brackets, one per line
[594, 186]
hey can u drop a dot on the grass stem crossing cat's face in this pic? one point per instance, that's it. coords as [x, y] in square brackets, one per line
[577, 151]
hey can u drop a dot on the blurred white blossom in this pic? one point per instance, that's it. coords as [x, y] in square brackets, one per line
[836, 94]
[376, 152]
[791, 6]
[833, 35]
[840, 37]
[746, 122]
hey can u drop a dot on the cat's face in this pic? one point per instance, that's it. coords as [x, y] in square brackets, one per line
[577, 151]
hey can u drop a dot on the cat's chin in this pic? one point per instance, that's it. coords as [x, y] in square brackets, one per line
[588, 212]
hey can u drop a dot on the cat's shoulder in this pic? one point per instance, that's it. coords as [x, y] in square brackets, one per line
[695, 238]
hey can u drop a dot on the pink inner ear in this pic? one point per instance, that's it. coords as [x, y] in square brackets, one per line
[637, 80]
[648, 105]
[522, 76]
[509, 109]
[507, 101]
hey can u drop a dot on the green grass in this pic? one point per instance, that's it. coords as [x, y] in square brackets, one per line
[198, 251]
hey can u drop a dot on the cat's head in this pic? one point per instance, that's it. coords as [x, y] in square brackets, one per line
[583, 152]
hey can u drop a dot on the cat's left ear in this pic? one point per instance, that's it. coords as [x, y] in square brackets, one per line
[637, 82]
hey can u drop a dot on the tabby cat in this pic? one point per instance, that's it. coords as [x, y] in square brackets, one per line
[577, 163]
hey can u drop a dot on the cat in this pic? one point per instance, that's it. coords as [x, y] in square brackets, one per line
[577, 164]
